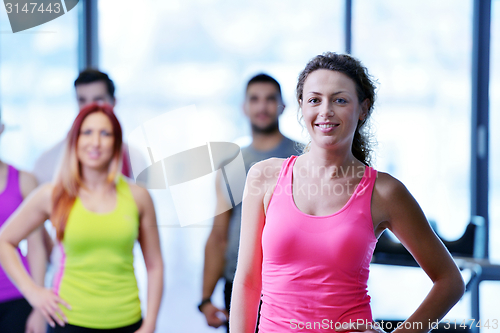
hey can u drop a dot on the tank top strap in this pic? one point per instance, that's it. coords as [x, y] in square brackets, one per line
[283, 182]
[13, 187]
[122, 186]
[124, 194]
[364, 194]
[285, 176]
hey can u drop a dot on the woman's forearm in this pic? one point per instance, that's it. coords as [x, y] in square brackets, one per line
[244, 307]
[37, 256]
[444, 294]
[12, 265]
[155, 293]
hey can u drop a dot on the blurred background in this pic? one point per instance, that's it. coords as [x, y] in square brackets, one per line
[163, 55]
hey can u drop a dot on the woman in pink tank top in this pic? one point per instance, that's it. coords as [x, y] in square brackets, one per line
[16, 314]
[310, 223]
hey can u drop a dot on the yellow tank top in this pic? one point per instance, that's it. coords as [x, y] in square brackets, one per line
[96, 275]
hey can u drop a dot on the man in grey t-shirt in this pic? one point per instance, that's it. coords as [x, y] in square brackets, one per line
[263, 105]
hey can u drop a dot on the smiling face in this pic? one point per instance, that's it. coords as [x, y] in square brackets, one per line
[95, 141]
[331, 109]
[263, 106]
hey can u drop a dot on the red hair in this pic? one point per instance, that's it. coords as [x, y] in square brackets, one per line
[69, 176]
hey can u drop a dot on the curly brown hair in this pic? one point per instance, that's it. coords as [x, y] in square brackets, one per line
[365, 89]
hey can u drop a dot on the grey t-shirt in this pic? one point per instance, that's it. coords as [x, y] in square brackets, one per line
[285, 149]
[46, 165]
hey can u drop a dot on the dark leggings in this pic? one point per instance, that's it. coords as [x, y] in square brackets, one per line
[77, 329]
[13, 315]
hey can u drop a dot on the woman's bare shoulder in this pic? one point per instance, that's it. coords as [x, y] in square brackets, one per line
[135, 188]
[388, 187]
[45, 190]
[262, 178]
[266, 170]
[390, 196]
[27, 182]
[140, 194]
[41, 197]
[27, 176]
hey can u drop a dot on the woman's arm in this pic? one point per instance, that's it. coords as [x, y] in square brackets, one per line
[150, 244]
[37, 259]
[37, 256]
[215, 260]
[247, 285]
[28, 217]
[28, 183]
[405, 219]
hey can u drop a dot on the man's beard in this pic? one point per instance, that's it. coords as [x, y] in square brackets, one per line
[271, 128]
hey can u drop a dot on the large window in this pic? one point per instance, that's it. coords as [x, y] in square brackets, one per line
[488, 309]
[494, 131]
[37, 70]
[420, 52]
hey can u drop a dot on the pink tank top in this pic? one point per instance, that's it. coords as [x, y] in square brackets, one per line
[10, 199]
[315, 268]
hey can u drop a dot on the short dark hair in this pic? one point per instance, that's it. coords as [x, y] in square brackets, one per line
[264, 78]
[91, 75]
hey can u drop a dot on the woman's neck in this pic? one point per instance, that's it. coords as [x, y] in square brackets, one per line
[339, 162]
[95, 179]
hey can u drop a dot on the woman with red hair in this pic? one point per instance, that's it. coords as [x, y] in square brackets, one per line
[98, 215]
